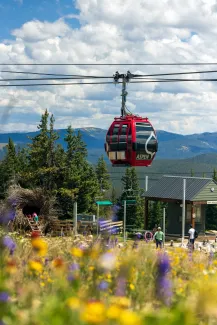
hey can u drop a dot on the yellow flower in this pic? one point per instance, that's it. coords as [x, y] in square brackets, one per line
[73, 303]
[132, 287]
[94, 313]
[113, 312]
[91, 268]
[128, 317]
[76, 252]
[123, 302]
[42, 284]
[35, 266]
[40, 246]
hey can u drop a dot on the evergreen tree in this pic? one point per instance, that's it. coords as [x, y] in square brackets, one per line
[214, 175]
[11, 159]
[80, 181]
[40, 144]
[8, 168]
[132, 191]
[113, 195]
[192, 172]
[102, 174]
[42, 154]
[211, 217]
[156, 214]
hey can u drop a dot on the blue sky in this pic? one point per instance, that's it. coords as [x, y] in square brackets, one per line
[14, 13]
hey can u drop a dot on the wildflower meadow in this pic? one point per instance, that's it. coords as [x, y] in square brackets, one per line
[80, 281]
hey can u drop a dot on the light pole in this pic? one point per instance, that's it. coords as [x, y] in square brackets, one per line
[97, 220]
[183, 211]
[164, 223]
[125, 212]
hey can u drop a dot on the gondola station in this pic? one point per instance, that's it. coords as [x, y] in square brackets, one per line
[198, 192]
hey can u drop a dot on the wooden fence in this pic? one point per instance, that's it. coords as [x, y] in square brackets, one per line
[110, 226]
[65, 227]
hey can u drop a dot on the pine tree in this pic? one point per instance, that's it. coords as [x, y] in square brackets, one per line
[211, 217]
[214, 175]
[79, 176]
[8, 167]
[42, 154]
[113, 195]
[40, 144]
[132, 191]
[11, 158]
[102, 175]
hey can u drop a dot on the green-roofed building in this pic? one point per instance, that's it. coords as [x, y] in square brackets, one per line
[199, 192]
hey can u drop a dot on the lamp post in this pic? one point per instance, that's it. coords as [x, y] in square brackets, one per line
[164, 223]
[183, 211]
[125, 212]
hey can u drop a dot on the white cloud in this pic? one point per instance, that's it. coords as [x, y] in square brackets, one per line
[115, 32]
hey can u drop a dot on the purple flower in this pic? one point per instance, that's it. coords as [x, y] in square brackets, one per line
[8, 216]
[4, 297]
[211, 255]
[1, 322]
[71, 277]
[103, 285]
[163, 284]
[74, 267]
[121, 286]
[163, 265]
[165, 290]
[9, 243]
[46, 261]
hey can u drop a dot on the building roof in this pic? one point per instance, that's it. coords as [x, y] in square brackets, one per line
[171, 187]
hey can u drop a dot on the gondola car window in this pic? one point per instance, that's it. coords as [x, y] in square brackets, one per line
[143, 133]
[123, 138]
[115, 133]
[114, 138]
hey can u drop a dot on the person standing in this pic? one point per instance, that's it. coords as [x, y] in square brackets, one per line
[158, 237]
[35, 217]
[192, 236]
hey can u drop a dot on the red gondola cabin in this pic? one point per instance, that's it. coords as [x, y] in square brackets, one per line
[131, 140]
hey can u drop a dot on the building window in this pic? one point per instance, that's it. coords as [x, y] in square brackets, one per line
[198, 213]
[188, 213]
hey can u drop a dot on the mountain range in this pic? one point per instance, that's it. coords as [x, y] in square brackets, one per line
[171, 145]
[186, 155]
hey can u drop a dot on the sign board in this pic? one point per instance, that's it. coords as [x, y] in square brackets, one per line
[142, 156]
[104, 203]
[211, 202]
[129, 202]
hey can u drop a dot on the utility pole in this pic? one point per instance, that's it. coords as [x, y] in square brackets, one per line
[97, 220]
[125, 212]
[164, 224]
[183, 211]
[146, 183]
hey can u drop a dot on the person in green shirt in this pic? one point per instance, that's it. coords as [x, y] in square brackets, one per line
[158, 237]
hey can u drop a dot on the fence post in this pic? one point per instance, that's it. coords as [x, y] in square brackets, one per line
[75, 219]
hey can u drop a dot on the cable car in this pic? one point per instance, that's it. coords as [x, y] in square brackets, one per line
[131, 140]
